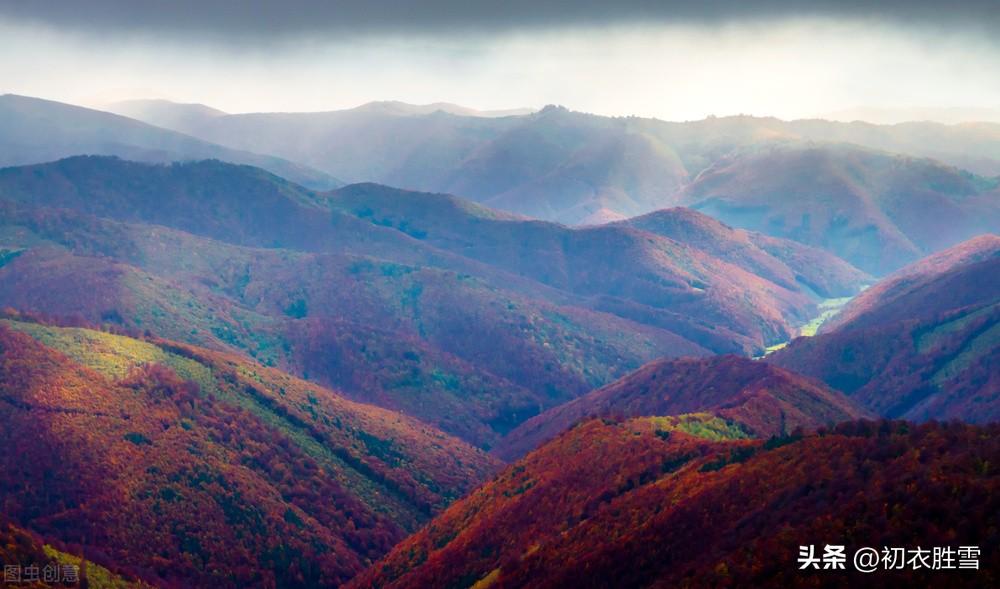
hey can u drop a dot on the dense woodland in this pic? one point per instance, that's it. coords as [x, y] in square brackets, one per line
[639, 503]
[236, 473]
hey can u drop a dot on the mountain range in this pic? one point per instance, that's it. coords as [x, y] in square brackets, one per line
[172, 115]
[577, 168]
[844, 187]
[33, 130]
[471, 319]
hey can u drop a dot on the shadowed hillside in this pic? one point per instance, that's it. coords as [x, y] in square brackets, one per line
[922, 344]
[912, 292]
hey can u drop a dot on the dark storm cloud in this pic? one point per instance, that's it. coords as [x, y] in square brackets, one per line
[240, 19]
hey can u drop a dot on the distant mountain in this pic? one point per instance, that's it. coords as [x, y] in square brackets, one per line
[922, 344]
[470, 319]
[875, 210]
[667, 502]
[238, 473]
[378, 141]
[971, 146]
[763, 400]
[188, 117]
[33, 130]
[895, 116]
[402, 108]
[166, 114]
[553, 164]
[566, 166]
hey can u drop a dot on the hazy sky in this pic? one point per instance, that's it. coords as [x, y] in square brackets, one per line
[670, 59]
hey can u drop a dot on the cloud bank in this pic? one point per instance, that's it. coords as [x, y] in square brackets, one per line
[261, 19]
[668, 59]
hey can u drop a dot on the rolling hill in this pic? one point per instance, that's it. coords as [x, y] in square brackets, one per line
[470, 319]
[33, 130]
[760, 399]
[236, 473]
[922, 344]
[669, 502]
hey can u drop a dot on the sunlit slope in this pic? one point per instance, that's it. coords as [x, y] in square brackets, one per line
[237, 473]
[760, 399]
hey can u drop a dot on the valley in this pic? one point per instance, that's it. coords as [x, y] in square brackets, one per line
[468, 318]
[828, 310]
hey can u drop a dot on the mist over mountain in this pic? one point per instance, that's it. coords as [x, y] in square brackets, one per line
[972, 143]
[166, 114]
[577, 168]
[895, 116]
[876, 210]
[33, 130]
[841, 186]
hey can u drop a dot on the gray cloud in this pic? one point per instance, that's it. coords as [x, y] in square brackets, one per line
[257, 19]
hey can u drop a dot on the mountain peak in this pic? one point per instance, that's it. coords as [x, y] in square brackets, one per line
[397, 107]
